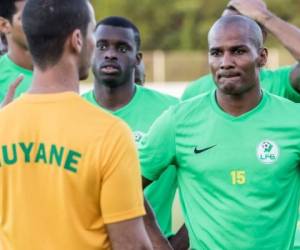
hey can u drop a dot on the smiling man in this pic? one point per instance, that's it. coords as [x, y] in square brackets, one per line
[237, 155]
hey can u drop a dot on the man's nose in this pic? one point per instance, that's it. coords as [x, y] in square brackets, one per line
[111, 54]
[227, 61]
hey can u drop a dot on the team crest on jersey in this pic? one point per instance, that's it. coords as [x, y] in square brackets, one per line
[138, 135]
[267, 152]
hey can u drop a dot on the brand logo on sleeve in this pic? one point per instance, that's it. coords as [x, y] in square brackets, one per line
[267, 152]
[138, 136]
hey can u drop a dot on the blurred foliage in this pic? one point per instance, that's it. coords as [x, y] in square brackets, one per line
[180, 24]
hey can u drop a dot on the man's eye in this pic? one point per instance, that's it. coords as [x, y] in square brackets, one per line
[101, 46]
[239, 51]
[123, 49]
[215, 53]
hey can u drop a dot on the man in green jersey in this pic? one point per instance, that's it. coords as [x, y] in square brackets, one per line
[284, 81]
[18, 59]
[116, 57]
[236, 148]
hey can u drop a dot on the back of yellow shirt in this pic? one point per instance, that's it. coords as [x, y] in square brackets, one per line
[66, 169]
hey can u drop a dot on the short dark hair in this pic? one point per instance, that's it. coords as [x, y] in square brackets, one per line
[117, 21]
[8, 9]
[48, 23]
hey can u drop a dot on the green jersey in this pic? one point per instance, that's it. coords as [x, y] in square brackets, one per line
[145, 106]
[9, 71]
[276, 82]
[238, 177]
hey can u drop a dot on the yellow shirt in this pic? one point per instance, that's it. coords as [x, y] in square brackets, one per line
[67, 168]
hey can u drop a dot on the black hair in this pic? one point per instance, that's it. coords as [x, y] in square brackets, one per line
[48, 23]
[8, 9]
[117, 21]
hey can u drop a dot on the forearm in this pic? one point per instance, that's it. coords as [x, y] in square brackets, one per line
[180, 241]
[157, 239]
[287, 34]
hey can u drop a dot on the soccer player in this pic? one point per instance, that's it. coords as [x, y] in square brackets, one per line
[284, 81]
[69, 172]
[117, 55]
[18, 59]
[237, 150]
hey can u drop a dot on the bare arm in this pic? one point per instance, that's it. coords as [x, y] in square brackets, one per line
[11, 91]
[128, 235]
[180, 241]
[287, 34]
[158, 240]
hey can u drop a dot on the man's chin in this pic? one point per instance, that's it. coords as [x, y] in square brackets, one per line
[229, 89]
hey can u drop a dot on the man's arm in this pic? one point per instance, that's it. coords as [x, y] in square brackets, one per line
[180, 241]
[128, 235]
[157, 151]
[157, 238]
[287, 34]
[11, 91]
[158, 241]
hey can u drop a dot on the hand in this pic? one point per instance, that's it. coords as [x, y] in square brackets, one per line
[255, 9]
[11, 91]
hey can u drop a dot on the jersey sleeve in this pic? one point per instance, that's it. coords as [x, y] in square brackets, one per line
[121, 195]
[278, 82]
[157, 149]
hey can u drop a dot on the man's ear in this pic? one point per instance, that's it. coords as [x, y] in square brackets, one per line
[262, 57]
[4, 25]
[76, 41]
[139, 57]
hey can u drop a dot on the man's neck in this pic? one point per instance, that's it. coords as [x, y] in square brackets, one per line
[114, 98]
[19, 56]
[237, 105]
[59, 78]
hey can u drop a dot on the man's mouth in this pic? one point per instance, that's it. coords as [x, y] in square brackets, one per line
[229, 75]
[110, 69]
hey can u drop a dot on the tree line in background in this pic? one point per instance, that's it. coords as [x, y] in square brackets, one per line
[180, 24]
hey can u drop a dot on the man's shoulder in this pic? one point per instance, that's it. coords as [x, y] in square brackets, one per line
[285, 105]
[156, 97]
[198, 86]
[193, 106]
[266, 72]
[4, 63]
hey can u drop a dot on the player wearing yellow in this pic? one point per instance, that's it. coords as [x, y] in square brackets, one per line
[69, 174]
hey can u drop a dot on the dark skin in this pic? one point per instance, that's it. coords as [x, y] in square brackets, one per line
[116, 57]
[16, 41]
[286, 33]
[180, 241]
[235, 60]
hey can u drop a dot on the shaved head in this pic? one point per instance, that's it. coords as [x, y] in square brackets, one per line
[247, 26]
